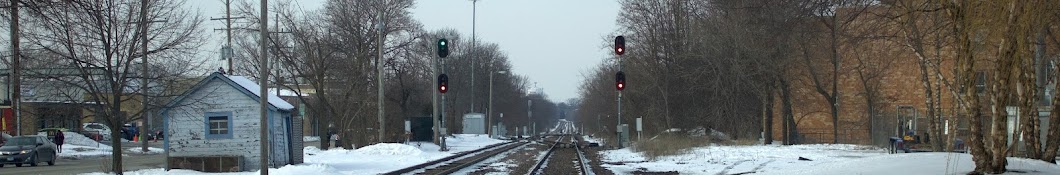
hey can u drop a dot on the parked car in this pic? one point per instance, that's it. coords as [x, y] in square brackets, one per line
[28, 150]
[156, 135]
[128, 131]
[97, 131]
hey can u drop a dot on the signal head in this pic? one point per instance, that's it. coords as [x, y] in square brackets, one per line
[443, 48]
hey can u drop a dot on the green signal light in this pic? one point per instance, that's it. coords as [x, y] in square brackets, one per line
[443, 48]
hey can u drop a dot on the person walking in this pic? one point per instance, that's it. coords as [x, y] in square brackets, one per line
[59, 138]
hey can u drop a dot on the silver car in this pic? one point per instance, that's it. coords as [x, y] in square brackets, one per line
[28, 150]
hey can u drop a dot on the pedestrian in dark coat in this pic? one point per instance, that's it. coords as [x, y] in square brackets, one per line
[59, 138]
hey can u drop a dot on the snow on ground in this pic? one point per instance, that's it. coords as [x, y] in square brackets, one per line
[150, 150]
[314, 169]
[385, 157]
[826, 159]
[372, 159]
[78, 146]
[596, 140]
[78, 151]
[310, 138]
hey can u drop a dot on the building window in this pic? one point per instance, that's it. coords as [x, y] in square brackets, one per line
[980, 82]
[218, 125]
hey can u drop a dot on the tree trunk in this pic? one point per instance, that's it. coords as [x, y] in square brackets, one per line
[1028, 94]
[767, 127]
[1052, 143]
[790, 129]
[117, 120]
[959, 12]
[929, 101]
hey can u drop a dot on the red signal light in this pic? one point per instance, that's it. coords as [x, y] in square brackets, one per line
[443, 83]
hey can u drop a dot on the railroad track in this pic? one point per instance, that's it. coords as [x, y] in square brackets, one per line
[563, 157]
[454, 163]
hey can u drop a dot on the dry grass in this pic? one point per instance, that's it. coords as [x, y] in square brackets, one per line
[668, 144]
[104, 165]
[743, 142]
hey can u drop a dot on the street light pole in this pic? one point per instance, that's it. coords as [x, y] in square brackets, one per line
[473, 15]
[489, 113]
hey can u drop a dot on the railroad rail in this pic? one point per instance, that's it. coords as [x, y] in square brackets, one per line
[559, 156]
[451, 164]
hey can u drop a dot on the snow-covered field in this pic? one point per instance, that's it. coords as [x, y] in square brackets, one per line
[77, 146]
[373, 159]
[822, 160]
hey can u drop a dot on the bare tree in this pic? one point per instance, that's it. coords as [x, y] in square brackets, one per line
[921, 30]
[91, 44]
[1052, 141]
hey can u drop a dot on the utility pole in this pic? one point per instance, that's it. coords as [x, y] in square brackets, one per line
[143, 75]
[16, 69]
[379, 77]
[263, 90]
[146, 105]
[226, 52]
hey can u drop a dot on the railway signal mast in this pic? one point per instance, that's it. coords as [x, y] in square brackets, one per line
[442, 86]
[620, 84]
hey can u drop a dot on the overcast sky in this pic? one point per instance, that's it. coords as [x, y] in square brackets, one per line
[553, 42]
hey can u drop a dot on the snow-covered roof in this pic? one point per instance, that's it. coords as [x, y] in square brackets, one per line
[256, 90]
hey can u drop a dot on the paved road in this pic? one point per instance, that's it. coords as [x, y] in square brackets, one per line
[88, 165]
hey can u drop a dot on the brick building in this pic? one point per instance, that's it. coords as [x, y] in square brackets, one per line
[891, 68]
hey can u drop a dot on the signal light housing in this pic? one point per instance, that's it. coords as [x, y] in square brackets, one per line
[620, 45]
[443, 48]
[620, 80]
[443, 83]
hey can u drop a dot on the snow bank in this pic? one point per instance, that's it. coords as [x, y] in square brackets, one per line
[389, 149]
[311, 150]
[471, 140]
[77, 146]
[79, 152]
[314, 169]
[386, 157]
[919, 163]
[73, 138]
[824, 159]
[737, 159]
[372, 159]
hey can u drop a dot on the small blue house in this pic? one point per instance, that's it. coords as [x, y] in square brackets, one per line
[215, 126]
